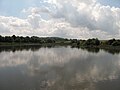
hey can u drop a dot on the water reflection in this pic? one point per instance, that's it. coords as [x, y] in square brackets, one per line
[21, 48]
[93, 50]
[111, 50]
[59, 68]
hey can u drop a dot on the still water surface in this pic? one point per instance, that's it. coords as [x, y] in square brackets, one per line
[59, 68]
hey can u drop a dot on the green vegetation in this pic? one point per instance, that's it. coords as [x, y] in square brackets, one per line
[34, 40]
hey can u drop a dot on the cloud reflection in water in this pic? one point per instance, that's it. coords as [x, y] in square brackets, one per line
[63, 68]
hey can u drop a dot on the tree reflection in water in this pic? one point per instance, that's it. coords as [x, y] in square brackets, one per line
[58, 68]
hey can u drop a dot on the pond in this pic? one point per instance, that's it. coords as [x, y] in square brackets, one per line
[58, 68]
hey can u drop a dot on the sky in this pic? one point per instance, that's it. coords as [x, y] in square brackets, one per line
[81, 19]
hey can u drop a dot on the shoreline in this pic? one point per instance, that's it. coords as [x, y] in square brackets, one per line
[60, 44]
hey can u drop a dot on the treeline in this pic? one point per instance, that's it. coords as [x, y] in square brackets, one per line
[89, 42]
[33, 39]
[94, 42]
[56, 40]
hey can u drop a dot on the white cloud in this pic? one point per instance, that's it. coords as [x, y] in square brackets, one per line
[36, 10]
[68, 18]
